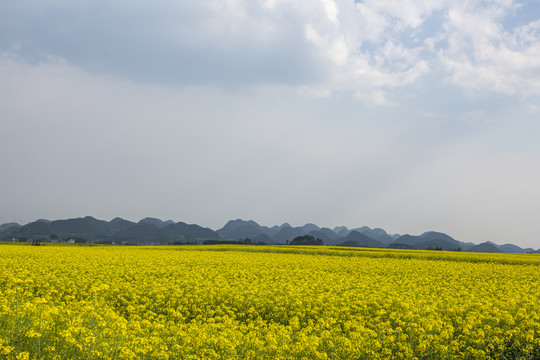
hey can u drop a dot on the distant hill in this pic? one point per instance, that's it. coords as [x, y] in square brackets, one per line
[326, 235]
[118, 224]
[7, 229]
[511, 248]
[140, 233]
[89, 229]
[276, 228]
[485, 248]
[288, 234]
[10, 225]
[36, 229]
[427, 241]
[439, 244]
[467, 246]
[356, 238]
[87, 226]
[342, 231]
[156, 222]
[406, 241]
[310, 227]
[241, 229]
[377, 234]
[151, 230]
[147, 232]
[263, 239]
[188, 232]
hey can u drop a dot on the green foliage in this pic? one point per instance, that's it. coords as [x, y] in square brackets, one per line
[306, 240]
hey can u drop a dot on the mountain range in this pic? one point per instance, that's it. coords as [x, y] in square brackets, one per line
[152, 231]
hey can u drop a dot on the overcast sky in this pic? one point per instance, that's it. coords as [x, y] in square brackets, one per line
[407, 115]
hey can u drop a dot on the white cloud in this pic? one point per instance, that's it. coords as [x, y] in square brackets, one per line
[269, 3]
[373, 23]
[375, 97]
[369, 74]
[527, 35]
[388, 79]
[483, 57]
[331, 10]
[396, 16]
[336, 45]
[531, 108]
[236, 43]
[334, 50]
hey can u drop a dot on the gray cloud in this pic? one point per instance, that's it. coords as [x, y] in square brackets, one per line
[368, 48]
[169, 43]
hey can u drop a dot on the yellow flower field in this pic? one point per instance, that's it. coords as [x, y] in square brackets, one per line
[257, 302]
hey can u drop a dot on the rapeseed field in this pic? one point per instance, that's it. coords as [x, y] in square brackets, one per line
[242, 302]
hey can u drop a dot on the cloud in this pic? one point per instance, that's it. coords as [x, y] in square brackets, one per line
[230, 43]
[216, 43]
[375, 97]
[483, 57]
[331, 10]
[332, 46]
[396, 16]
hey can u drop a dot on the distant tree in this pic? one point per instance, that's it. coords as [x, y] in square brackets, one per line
[400, 246]
[80, 240]
[176, 242]
[104, 242]
[306, 240]
[221, 242]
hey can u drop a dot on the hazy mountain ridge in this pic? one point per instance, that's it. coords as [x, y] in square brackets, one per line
[89, 229]
[430, 240]
[8, 228]
[155, 231]
[363, 236]
[485, 248]
[356, 238]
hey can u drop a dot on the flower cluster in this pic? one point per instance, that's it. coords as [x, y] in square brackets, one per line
[240, 302]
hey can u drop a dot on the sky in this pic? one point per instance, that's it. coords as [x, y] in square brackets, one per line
[408, 115]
